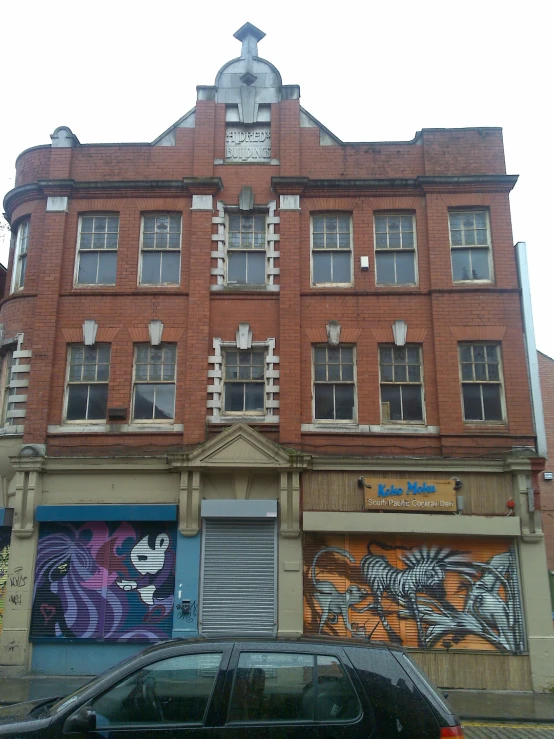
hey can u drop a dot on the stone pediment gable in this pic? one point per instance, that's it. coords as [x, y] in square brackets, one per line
[241, 446]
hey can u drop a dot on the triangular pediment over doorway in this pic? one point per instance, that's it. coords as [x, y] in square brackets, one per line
[240, 446]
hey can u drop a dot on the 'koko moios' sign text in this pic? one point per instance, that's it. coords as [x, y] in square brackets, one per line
[252, 144]
[414, 495]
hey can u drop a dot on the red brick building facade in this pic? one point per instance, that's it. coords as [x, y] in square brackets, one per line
[231, 331]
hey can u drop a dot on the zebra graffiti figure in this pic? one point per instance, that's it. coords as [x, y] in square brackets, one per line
[425, 572]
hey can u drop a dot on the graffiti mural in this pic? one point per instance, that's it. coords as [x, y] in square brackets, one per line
[104, 581]
[4, 557]
[417, 594]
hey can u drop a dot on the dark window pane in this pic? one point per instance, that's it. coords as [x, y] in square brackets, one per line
[341, 267]
[494, 373]
[491, 402]
[460, 265]
[480, 371]
[405, 268]
[236, 271]
[456, 238]
[394, 240]
[245, 373]
[472, 402]
[480, 219]
[106, 268]
[254, 397]
[385, 353]
[413, 373]
[411, 403]
[407, 240]
[478, 353]
[385, 268]
[319, 372]
[171, 267]
[324, 401]
[465, 353]
[97, 402]
[150, 268]
[391, 394]
[165, 401]
[400, 373]
[77, 402]
[381, 240]
[455, 220]
[318, 223]
[347, 372]
[256, 269]
[86, 241]
[321, 267]
[144, 402]
[480, 269]
[380, 224]
[386, 372]
[234, 397]
[86, 224]
[87, 269]
[336, 698]
[320, 354]
[347, 354]
[333, 372]
[344, 402]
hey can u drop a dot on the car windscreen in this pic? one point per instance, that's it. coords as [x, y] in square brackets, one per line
[72, 698]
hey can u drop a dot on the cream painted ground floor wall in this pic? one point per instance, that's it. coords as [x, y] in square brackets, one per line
[136, 540]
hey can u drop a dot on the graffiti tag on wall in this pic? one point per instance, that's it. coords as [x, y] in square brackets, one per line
[104, 581]
[4, 557]
[414, 594]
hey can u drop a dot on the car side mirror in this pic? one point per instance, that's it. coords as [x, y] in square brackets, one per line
[82, 721]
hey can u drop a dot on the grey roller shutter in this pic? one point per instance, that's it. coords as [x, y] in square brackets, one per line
[238, 595]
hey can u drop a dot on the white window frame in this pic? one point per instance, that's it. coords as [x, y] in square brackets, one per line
[8, 361]
[482, 247]
[323, 250]
[99, 251]
[336, 421]
[420, 384]
[157, 421]
[225, 383]
[216, 384]
[220, 252]
[499, 383]
[396, 250]
[142, 250]
[20, 255]
[84, 421]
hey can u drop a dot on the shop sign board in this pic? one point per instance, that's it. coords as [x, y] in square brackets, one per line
[414, 494]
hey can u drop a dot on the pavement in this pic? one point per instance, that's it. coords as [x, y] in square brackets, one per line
[485, 714]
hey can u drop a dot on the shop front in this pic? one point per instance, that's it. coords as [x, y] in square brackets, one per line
[438, 561]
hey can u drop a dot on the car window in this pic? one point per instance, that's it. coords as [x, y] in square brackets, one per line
[174, 690]
[398, 706]
[336, 698]
[271, 686]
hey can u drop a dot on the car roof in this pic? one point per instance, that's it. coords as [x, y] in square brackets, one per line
[312, 640]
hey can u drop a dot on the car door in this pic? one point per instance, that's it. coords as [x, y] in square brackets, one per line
[284, 692]
[173, 697]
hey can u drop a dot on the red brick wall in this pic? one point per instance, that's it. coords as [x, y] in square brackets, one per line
[439, 314]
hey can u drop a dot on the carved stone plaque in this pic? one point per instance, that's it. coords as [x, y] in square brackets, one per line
[248, 143]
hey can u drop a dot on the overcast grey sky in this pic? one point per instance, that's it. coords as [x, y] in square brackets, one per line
[123, 71]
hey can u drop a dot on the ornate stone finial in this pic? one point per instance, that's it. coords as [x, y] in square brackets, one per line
[63, 138]
[249, 35]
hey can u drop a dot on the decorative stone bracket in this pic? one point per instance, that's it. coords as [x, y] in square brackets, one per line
[28, 492]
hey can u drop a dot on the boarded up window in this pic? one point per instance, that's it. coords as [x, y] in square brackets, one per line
[438, 594]
[104, 581]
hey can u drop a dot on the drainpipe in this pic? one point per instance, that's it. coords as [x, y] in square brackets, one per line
[531, 348]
